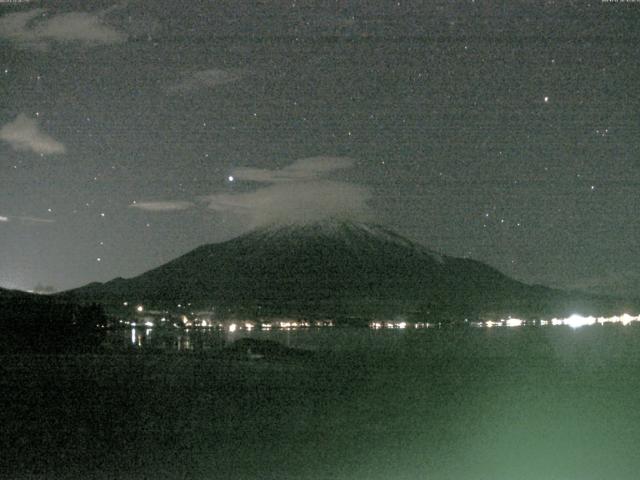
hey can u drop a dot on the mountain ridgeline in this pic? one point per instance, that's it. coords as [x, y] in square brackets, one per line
[339, 270]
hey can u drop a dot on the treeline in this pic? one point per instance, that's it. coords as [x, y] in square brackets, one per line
[30, 323]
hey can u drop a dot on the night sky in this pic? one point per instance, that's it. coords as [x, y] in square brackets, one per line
[133, 132]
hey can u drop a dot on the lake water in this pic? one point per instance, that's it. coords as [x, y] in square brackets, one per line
[212, 339]
[550, 403]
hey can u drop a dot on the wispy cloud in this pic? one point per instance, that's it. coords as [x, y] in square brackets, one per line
[298, 193]
[36, 29]
[34, 220]
[133, 24]
[204, 79]
[24, 134]
[300, 170]
[617, 281]
[25, 220]
[163, 206]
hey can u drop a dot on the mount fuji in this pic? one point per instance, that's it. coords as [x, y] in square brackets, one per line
[337, 269]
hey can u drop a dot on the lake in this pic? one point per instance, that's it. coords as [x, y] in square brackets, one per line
[467, 403]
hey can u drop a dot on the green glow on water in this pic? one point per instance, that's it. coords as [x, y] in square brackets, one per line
[467, 404]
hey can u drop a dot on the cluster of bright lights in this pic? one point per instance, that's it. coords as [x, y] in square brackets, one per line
[294, 324]
[491, 323]
[514, 322]
[573, 321]
[186, 322]
[377, 325]
[248, 326]
[400, 325]
[204, 320]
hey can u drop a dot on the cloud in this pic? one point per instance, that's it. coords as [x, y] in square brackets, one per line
[295, 203]
[135, 24]
[34, 220]
[297, 193]
[162, 206]
[304, 169]
[24, 134]
[35, 29]
[204, 79]
[25, 220]
[620, 281]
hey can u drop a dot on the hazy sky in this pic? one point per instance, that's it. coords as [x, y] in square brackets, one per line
[132, 132]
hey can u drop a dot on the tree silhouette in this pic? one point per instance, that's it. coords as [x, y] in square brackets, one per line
[43, 324]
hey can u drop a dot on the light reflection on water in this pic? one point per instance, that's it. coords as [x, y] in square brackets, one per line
[214, 338]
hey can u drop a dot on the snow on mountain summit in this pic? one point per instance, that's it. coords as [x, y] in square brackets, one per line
[347, 231]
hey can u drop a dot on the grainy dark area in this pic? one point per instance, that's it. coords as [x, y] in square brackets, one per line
[532, 403]
[201, 200]
[505, 132]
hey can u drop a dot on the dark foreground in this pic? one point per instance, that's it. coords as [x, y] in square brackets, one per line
[547, 403]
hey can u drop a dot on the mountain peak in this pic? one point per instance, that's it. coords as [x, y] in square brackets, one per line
[328, 225]
[329, 269]
[347, 231]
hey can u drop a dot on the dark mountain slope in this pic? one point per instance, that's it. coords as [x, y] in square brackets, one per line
[332, 269]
